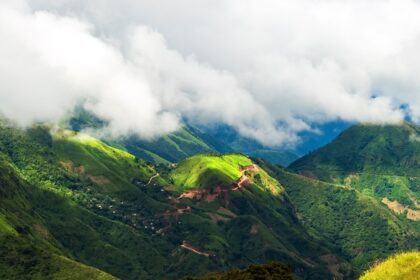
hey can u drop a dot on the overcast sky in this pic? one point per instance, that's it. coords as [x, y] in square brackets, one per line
[268, 68]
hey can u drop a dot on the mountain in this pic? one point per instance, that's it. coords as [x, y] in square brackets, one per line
[74, 202]
[73, 207]
[70, 202]
[28, 249]
[187, 141]
[369, 171]
[231, 138]
[379, 149]
[173, 147]
[361, 227]
[399, 267]
[169, 148]
[381, 161]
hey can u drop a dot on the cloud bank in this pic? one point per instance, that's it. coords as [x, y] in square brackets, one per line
[268, 68]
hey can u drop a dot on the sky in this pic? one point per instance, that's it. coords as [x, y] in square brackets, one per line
[271, 69]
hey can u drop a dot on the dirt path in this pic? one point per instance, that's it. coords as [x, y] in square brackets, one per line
[189, 247]
[240, 184]
[151, 178]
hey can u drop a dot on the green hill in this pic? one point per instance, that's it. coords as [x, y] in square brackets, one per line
[377, 149]
[359, 226]
[379, 161]
[28, 250]
[404, 266]
[203, 171]
[82, 217]
[69, 198]
[72, 202]
[241, 212]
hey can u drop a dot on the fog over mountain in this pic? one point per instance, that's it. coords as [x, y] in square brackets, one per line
[270, 69]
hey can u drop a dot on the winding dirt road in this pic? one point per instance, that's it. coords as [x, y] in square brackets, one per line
[151, 178]
[189, 247]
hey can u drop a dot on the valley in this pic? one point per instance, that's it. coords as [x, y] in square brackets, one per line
[82, 202]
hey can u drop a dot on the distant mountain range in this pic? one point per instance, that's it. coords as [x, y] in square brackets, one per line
[75, 207]
[189, 140]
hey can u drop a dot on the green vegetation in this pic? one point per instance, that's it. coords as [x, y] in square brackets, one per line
[380, 161]
[73, 205]
[28, 249]
[110, 168]
[373, 149]
[204, 171]
[47, 205]
[270, 271]
[186, 142]
[362, 228]
[404, 266]
[67, 196]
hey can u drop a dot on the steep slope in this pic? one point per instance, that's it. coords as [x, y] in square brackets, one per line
[29, 251]
[245, 207]
[173, 147]
[404, 266]
[104, 207]
[379, 161]
[360, 226]
[209, 171]
[378, 149]
[87, 217]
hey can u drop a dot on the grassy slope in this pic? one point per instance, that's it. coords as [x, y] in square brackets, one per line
[28, 249]
[203, 171]
[95, 240]
[362, 227]
[375, 149]
[172, 147]
[70, 212]
[404, 266]
[379, 161]
[99, 159]
[264, 227]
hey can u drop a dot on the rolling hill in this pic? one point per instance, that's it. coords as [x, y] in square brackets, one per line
[376, 149]
[77, 203]
[381, 161]
[361, 227]
[82, 204]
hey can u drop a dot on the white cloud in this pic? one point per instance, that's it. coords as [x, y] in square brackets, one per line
[268, 68]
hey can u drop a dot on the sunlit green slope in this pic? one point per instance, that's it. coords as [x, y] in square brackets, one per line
[204, 171]
[83, 217]
[404, 266]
